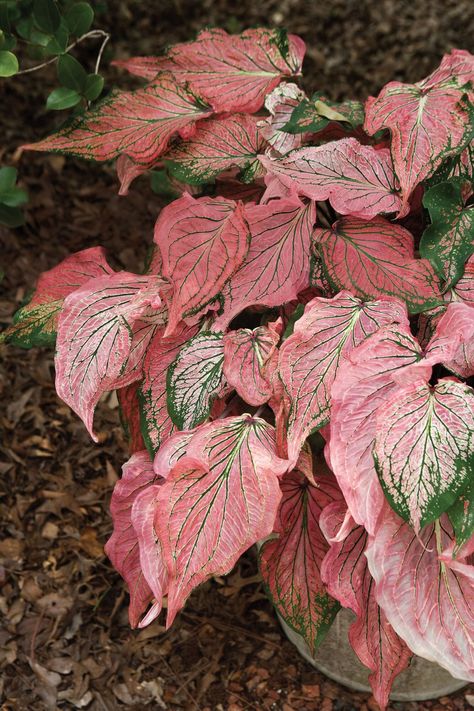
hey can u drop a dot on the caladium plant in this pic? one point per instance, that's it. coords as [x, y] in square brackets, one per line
[293, 364]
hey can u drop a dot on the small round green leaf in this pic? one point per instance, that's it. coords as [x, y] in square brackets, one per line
[7, 178]
[46, 15]
[62, 98]
[71, 73]
[93, 87]
[11, 216]
[79, 18]
[8, 64]
[58, 44]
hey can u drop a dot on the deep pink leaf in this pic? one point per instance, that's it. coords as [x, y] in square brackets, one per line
[35, 324]
[130, 416]
[138, 123]
[424, 448]
[358, 180]
[217, 501]
[363, 383]
[202, 242]
[246, 355]
[232, 72]
[435, 617]
[122, 546]
[280, 103]
[291, 564]
[429, 121]
[310, 357]
[218, 145]
[102, 337]
[344, 570]
[374, 259]
[156, 422]
[277, 265]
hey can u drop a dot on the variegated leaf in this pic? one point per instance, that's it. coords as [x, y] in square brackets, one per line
[217, 501]
[449, 241]
[435, 617]
[138, 123]
[309, 359]
[453, 340]
[429, 121]
[35, 324]
[277, 265]
[246, 354]
[291, 564]
[363, 383]
[374, 259]
[194, 379]
[461, 515]
[424, 448]
[103, 332]
[218, 144]
[316, 113]
[344, 571]
[280, 103]
[232, 72]
[358, 180]
[122, 547]
[156, 424]
[202, 242]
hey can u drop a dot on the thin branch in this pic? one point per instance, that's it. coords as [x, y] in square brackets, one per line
[88, 35]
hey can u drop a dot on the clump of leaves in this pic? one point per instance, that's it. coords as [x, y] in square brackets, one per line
[294, 361]
[45, 31]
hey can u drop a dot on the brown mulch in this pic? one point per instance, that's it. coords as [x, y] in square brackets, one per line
[65, 642]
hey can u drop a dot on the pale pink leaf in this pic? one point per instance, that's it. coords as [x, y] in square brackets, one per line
[358, 180]
[455, 335]
[217, 145]
[246, 355]
[424, 448]
[363, 383]
[309, 358]
[137, 123]
[122, 547]
[291, 564]
[194, 379]
[277, 265]
[102, 338]
[171, 451]
[435, 617]
[428, 121]
[217, 501]
[280, 103]
[157, 425]
[232, 72]
[202, 243]
[376, 258]
[344, 571]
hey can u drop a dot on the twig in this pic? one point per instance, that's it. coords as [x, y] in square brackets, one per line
[88, 35]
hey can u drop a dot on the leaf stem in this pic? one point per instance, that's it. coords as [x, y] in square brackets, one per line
[88, 35]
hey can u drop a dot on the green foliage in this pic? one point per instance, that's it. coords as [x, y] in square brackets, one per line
[11, 198]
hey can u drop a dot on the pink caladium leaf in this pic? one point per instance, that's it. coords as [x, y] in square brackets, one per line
[143, 513]
[290, 564]
[344, 571]
[246, 354]
[194, 379]
[374, 259]
[35, 324]
[280, 103]
[464, 289]
[202, 241]
[453, 340]
[102, 337]
[310, 357]
[363, 383]
[130, 416]
[448, 241]
[122, 547]
[156, 423]
[218, 145]
[358, 180]
[217, 501]
[138, 123]
[277, 265]
[171, 451]
[424, 448]
[231, 72]
[428, 121]
[435, 617]
[461, 515]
